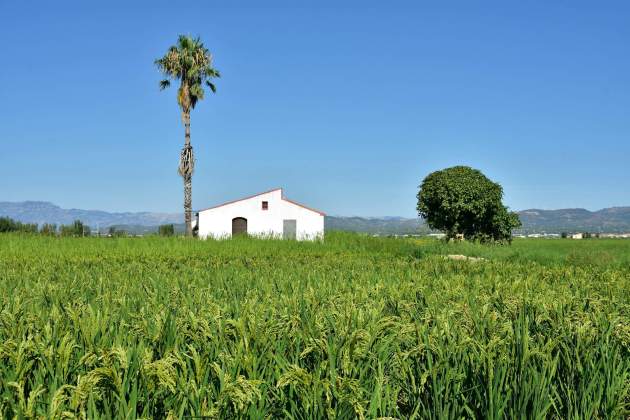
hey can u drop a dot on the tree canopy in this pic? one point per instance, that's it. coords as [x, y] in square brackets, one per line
[463, 201]
[190, 62]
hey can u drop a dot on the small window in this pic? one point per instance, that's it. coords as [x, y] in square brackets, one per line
[265, 205]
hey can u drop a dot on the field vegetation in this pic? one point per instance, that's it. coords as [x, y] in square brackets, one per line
[353, 327]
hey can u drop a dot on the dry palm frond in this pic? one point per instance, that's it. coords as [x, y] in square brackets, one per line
[186, 162]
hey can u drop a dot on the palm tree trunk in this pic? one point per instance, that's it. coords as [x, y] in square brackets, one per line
[186, 117]
[186, 168]
[188, 204]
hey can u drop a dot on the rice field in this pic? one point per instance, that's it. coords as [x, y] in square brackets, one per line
[354, 327]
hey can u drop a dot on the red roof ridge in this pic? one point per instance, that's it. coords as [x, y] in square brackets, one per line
[240, 199]
[265, 192]
[303, 206]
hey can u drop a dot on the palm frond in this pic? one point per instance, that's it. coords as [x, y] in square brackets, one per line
[186, 161]
[210, 71]
[183, 42]
[191, 63]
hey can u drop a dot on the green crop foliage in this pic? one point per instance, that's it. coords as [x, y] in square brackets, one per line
[352, 327]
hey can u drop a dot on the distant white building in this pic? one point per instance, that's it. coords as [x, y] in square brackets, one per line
[577, 236]
[614, 235]
[268, 214]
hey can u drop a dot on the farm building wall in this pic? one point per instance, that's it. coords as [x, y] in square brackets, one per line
[217, 222]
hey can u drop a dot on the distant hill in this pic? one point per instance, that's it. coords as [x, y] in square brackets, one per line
[377, 225]
[44, 212]
[614, 219]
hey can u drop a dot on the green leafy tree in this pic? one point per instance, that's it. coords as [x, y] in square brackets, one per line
[463, 201]
[9, 225]
[77, 228]
[116, 232]
[48, 229]
[191, 63]
[166, 230]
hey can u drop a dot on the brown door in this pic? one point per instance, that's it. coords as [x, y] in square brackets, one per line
[239, 226]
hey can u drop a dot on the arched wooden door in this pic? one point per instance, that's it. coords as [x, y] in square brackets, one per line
[239, 226]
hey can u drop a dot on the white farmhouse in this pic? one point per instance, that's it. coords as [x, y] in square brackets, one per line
[267, 214]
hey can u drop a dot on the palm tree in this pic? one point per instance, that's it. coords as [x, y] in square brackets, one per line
[191, 63]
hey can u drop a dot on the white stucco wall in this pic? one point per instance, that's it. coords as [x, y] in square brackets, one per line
[217, 222]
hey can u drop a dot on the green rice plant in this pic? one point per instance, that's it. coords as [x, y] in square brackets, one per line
[348, 327]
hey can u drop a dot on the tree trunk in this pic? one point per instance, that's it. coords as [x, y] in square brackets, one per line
[186, 118]
[188, 204]
[186, 168]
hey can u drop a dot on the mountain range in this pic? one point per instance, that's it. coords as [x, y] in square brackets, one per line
[614, 219]
[44, 212]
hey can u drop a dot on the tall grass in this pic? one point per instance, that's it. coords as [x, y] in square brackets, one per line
[604, 253]
[349, 327]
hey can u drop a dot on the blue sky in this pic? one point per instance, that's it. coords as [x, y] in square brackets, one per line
[348, 108]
